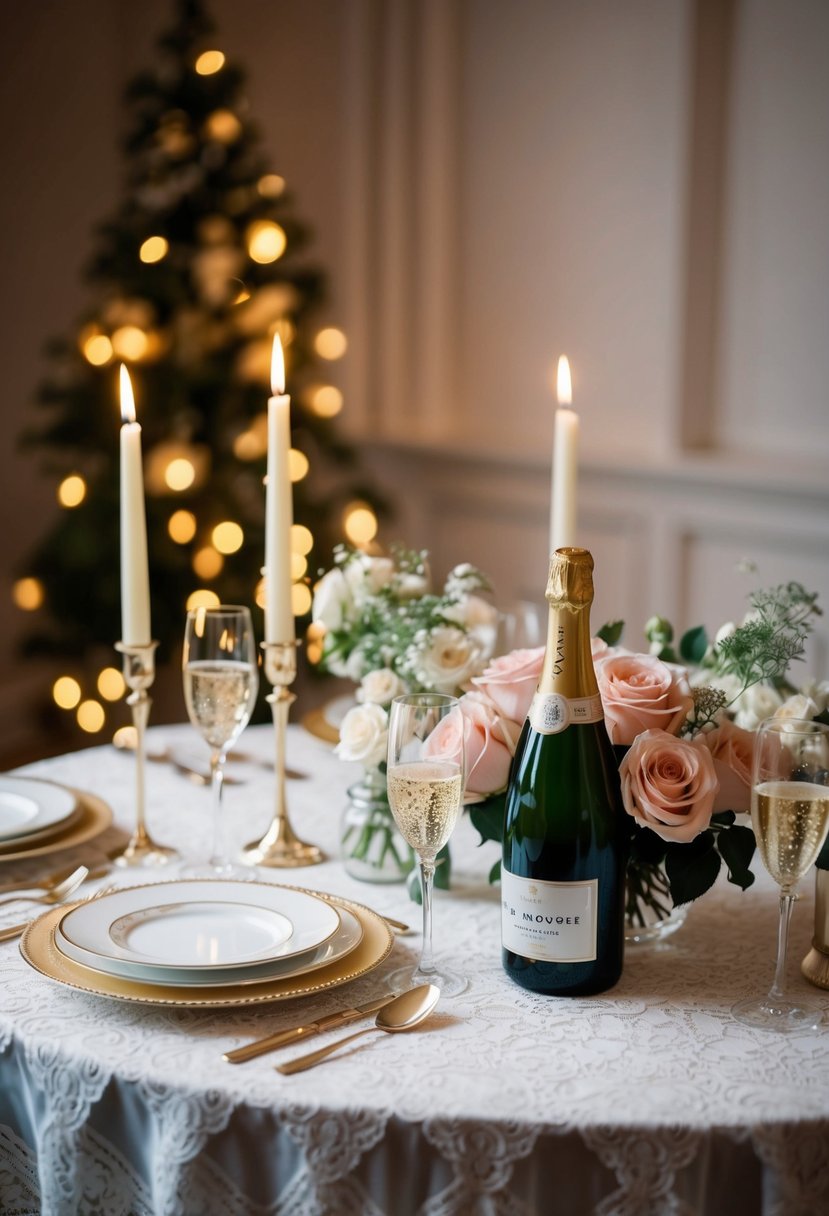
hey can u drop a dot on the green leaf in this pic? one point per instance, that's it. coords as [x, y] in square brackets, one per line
[611, 632]
[736, 847]
[488, 817]
[495, 872]
[724, 818]
[646, 847]
[822, 862]
[443, 874]
[693, 645]
[692, 868]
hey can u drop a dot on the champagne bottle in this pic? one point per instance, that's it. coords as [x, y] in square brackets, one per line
[565, 830]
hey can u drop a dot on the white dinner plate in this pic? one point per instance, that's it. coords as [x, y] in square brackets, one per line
[200, 927]
[29, 806]
[347, 937]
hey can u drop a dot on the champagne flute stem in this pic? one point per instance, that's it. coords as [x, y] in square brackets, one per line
[787, 902]
[216, 785]
[427, 874]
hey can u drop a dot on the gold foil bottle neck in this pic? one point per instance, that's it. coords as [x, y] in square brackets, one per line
[570, 582]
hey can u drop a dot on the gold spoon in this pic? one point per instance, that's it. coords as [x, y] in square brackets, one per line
[403, 1013]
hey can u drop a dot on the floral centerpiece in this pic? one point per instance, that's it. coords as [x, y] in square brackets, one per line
[681, 722]
[385, 628]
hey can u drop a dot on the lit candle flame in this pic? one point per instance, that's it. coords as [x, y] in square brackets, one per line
[127, 399]
[277, 368]
[564, 388]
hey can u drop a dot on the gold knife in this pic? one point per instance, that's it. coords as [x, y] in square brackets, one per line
[281, 1037]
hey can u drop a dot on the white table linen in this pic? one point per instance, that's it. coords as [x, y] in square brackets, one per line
[649, 1099]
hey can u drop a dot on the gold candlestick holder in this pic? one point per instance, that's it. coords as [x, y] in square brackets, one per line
[280, 847]
[139, 673]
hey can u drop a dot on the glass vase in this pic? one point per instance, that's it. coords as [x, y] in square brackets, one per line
[650, 914]
[371, 847]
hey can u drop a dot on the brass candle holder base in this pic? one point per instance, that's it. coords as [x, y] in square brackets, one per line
[139, 673]
[280, 847]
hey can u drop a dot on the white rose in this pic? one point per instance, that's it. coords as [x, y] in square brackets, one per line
[366, 575]
[380, 687]
[332, 600]
[449, 658]
[798, 706]
[724, 631]
[817, 691]
[364, 735]
[755, 705]
[480, 619]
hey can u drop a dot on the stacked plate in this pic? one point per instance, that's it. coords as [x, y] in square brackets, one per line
[38, 817]
[199, 942]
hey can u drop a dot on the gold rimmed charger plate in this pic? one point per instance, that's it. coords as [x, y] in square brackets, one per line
[39, 950]
[94, 817]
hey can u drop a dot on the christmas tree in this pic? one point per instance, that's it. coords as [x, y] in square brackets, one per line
[199, 266]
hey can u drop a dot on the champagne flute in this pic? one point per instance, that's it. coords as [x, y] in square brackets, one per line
[220, 685]
[425, 778]
[790, 815]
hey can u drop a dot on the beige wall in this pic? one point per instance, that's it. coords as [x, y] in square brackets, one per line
[643, 186]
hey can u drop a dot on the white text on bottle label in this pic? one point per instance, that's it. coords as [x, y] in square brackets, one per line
[550, 712]
[554, 922]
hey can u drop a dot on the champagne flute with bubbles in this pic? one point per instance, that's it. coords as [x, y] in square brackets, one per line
[790, 815]
[425, 779]
[220, 685]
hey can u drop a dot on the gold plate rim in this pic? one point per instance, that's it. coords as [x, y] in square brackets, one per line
[38, 949]
[96, 817]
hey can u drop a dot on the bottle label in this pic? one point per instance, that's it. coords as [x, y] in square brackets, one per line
[550, 712]
[554, 922]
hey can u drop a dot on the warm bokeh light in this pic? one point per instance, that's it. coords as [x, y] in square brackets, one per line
[330, 343]
[126, 737]
[228, 537]
[72, 490]
[326, 401]
[209, 62]
[223, 126]
[91, 716]
[259, 594]
[299, 566]
[271, 185]
[129, 342]
[66, 692]
[180, 474]
[203, 599]
[242, 295]
[111, 684]
[298, 464]
[97, 349]
[153, 249]
[27, 594]
[249, 445]
[266, 241]
[182, 527]
[302, 541]
[207, 562]
[360, 524]
[300, 599]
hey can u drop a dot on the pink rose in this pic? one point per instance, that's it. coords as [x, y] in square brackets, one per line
[669, 785]
[640, 692]
[732, 749]
[489, 743]
[511, 680]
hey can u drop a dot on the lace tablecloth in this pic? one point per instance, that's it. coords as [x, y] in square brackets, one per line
[649, 1099]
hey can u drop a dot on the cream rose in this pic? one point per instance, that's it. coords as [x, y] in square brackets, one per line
[364, 735]
[365, 575]
[797, 706]
[640, 692]
[489, 743]
[669, 785]
[511, 680]
[448, 658]
[380, 687]
[732, 749]
[479, 618]
[757, 703]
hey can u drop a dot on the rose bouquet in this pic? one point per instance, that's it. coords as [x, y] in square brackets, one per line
[378, 622]
[681, 723]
